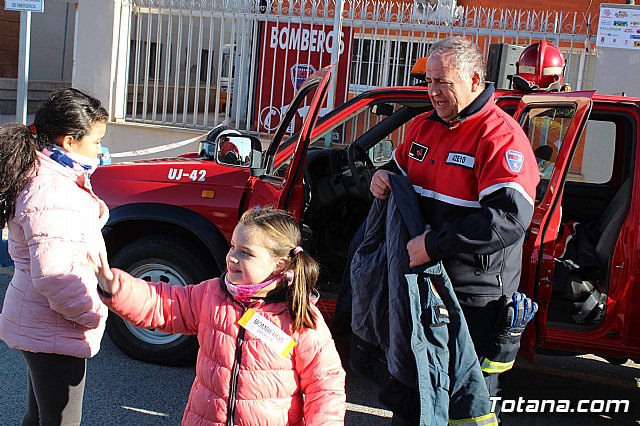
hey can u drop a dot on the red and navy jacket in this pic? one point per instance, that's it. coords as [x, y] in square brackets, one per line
[476, 178]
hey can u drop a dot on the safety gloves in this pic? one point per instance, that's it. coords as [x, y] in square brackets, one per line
[516, 313]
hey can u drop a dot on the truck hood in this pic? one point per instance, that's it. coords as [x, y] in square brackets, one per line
[157, 169]
[177, 181]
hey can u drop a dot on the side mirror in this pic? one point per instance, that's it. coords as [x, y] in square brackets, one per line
[207, 149]
[240, 151]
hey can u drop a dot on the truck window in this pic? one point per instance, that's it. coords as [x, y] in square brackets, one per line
[546, 129]
[594, 155]
[357, 125]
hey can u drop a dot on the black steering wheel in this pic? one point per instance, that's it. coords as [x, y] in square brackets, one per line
[361, 176]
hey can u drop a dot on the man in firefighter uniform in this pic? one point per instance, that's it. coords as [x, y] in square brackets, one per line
[475, 174]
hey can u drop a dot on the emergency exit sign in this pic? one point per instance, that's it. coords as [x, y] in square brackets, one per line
[24, 5]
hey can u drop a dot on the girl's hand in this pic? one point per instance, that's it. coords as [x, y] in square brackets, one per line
[105, 276]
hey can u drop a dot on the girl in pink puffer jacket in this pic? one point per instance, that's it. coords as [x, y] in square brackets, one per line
[266, 355]
[52, 311]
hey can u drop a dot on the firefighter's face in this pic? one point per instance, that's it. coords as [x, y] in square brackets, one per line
[450, 92]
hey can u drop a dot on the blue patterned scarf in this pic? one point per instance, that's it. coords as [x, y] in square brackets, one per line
[61, 157]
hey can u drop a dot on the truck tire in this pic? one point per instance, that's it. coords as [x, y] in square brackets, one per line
[158, 258]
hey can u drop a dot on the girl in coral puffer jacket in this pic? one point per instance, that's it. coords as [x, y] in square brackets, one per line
[266, 355]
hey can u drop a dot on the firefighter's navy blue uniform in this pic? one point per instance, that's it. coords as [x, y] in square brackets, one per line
[476, 178]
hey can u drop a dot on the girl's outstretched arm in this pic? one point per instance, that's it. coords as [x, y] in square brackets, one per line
[168, 308]
[106, 280]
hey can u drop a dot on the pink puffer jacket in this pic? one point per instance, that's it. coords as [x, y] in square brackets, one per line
[52, 303]
[270, 388]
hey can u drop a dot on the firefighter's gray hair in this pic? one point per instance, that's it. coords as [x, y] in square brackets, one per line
[464, 54]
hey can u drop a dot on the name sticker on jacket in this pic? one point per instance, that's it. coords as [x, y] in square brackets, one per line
[417, 151]
[460, 159]
[268, 332]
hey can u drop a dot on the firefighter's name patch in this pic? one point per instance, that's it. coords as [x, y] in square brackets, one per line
[459, 159]
[515, 160]
[417, 151]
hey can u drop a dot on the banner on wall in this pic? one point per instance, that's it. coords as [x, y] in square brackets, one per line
[619, 26]
[295, 51]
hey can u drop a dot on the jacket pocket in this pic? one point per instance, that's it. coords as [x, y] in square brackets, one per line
[489, 264]
[432, 356]
[436, 318]
[483, 261]
[440, 382]
[434, 311]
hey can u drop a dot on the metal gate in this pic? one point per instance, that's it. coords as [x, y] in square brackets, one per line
[197, 64]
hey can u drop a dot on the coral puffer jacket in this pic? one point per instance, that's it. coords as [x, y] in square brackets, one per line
[52, 303]
[239, 379]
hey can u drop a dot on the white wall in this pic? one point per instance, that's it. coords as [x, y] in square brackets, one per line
[52, 32]
[95, 70]
[95, 49]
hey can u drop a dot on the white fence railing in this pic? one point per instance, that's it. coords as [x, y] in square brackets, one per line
[199, 63]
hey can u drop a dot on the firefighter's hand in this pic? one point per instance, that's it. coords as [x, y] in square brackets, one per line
[417, 250]
[517, 314]
[106, 280]
[380, 185]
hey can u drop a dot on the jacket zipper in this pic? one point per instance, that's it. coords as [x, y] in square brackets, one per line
[504, 262]
[234, 378]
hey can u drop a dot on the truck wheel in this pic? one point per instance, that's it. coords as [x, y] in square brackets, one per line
[155, 259]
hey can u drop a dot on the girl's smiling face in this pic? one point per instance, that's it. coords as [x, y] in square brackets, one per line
[248, 260]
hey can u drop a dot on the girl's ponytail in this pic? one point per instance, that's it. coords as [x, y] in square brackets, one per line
[306, 271]
[18, 147]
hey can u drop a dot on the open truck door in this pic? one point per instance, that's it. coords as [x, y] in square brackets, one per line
[553, 123]
[280, 182]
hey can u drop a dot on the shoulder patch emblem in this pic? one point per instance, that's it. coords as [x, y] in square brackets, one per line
[515, 160]
[417, 151]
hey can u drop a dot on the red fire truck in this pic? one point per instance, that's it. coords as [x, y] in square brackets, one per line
[171, 218]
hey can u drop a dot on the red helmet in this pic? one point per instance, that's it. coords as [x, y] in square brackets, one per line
[542, 66]
[228, 147]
